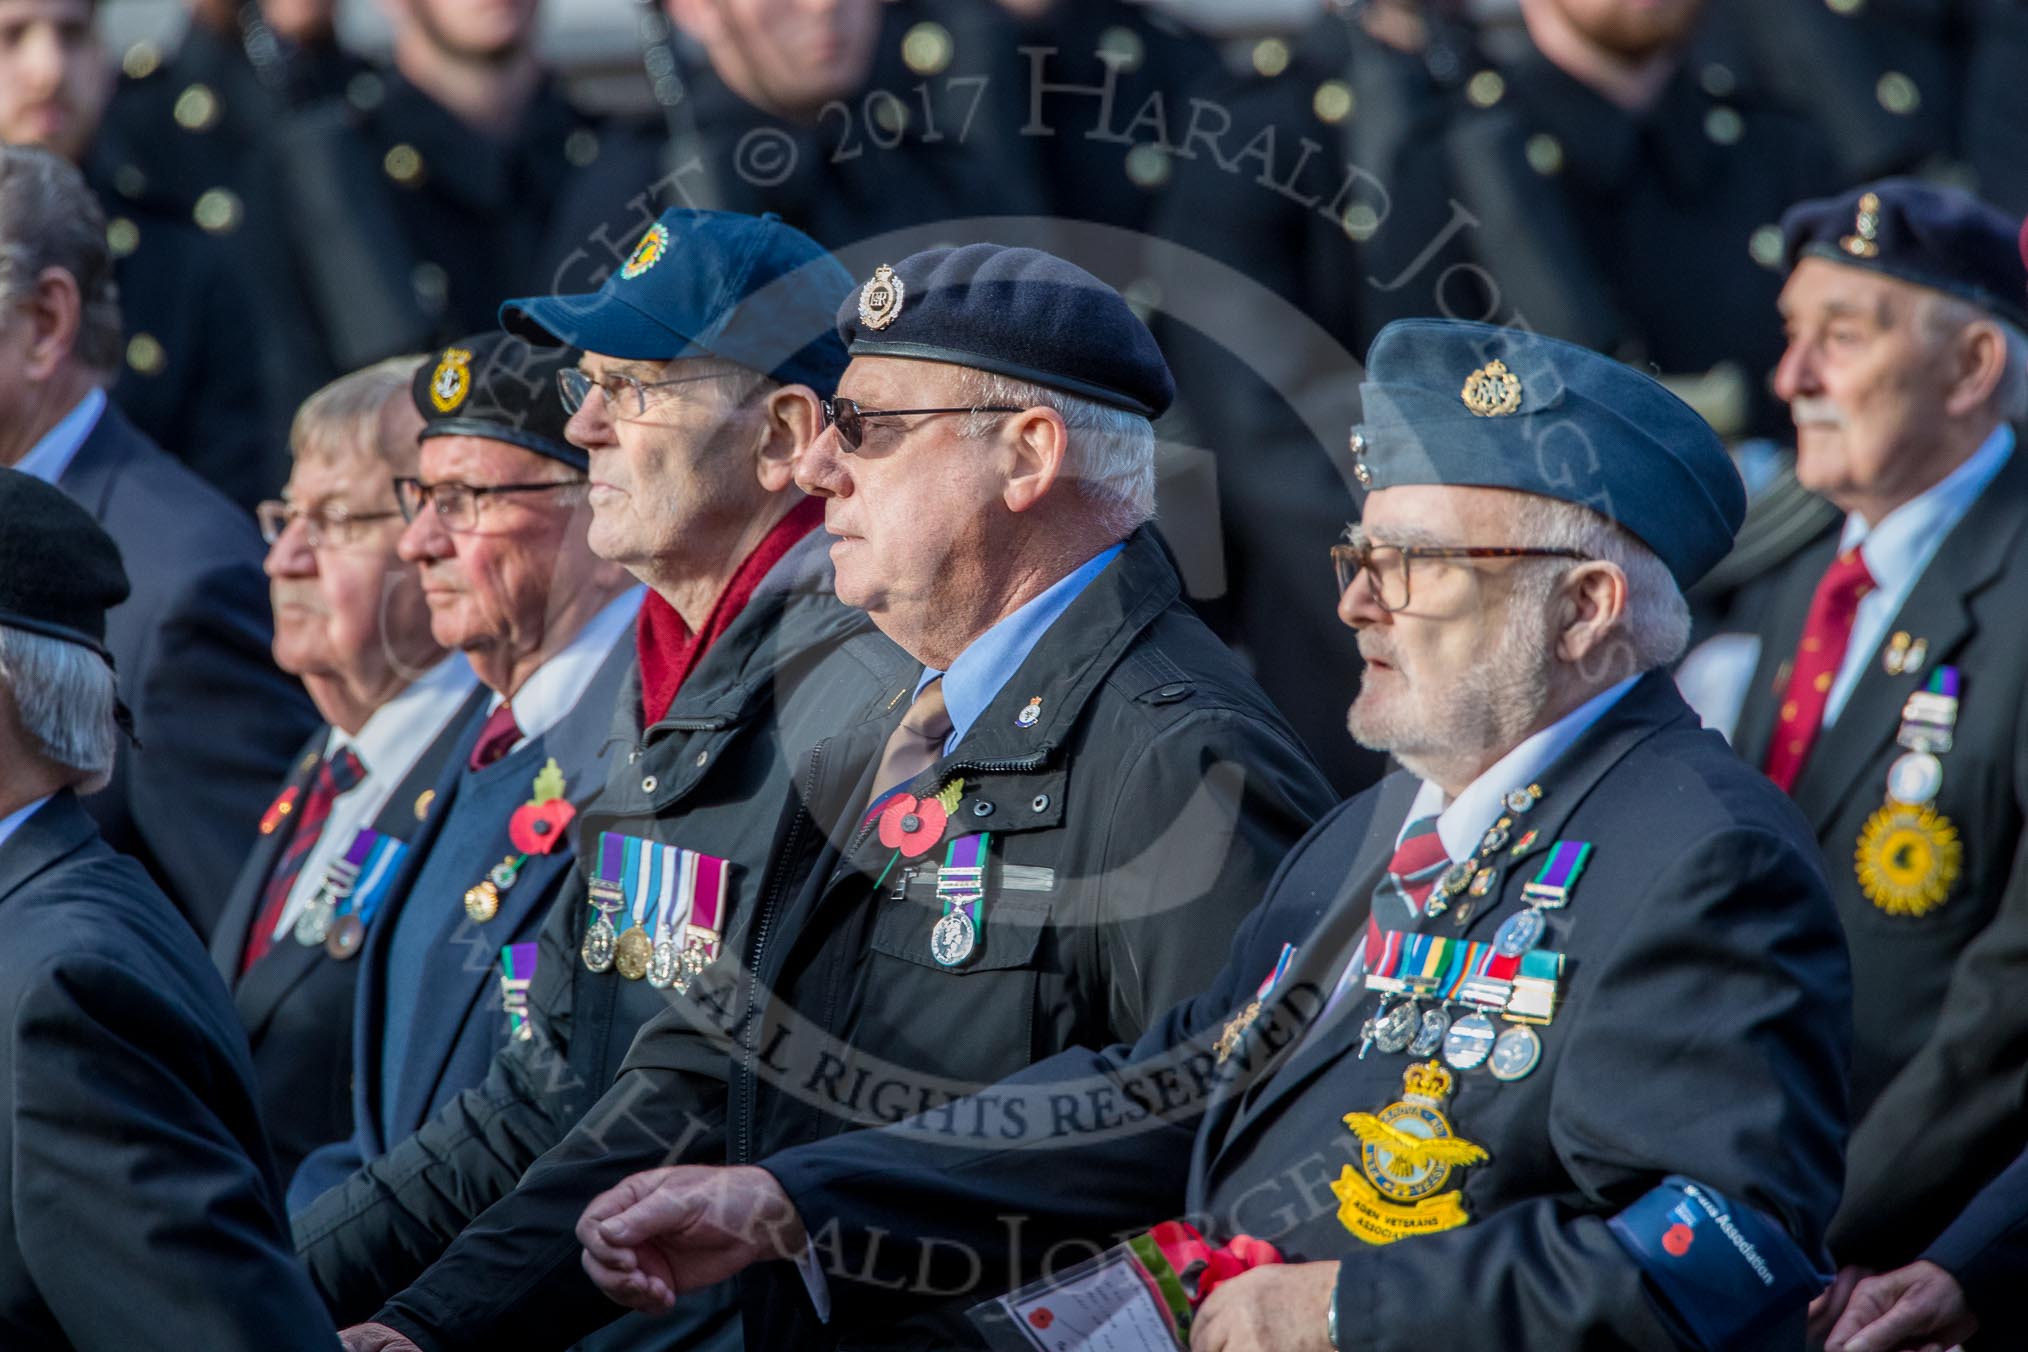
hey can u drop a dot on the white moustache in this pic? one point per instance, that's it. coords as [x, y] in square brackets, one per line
[1809, 411]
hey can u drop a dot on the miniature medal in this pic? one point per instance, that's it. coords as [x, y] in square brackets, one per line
[632, 952]
[348, 932]
[1519, 932]
[1469, 1042]
[600, 944]
[1429, 1039]
[665, 966]
[1915, 778]
[1515, 1053]
[1395, 1028]
[313, 926]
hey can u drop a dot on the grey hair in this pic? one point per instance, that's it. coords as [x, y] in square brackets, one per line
[1111, 457]
[1656, 626]
[64, 696]
[342, 420]
[50, 218]
[1942, 317]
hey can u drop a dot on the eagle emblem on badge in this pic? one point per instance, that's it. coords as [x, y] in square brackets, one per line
[452, 380]
[1492, 391]
[648, 252]
[1406, 1156]
[1864, 242]
[880, 299]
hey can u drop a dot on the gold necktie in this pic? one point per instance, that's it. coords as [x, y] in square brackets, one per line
[916, 743]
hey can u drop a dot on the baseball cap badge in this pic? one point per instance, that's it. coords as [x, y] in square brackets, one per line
[880, 299]
[648, 252]
[452, 380]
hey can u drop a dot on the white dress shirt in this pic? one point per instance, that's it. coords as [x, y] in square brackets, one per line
[48, 458]
[388, 744]
[557, 685]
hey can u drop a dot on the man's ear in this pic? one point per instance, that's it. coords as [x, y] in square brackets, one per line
[1593, 605]
[1038, 444]
[1978, 363]
[791, 420]
[56, 312]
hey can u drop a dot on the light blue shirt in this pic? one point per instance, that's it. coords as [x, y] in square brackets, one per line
[993, 657]
[48, 458]
[1898, 550]
[11, 823]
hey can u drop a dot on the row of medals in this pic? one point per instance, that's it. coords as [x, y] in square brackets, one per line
[1473, 1040]
[320, 925]
[633, 954]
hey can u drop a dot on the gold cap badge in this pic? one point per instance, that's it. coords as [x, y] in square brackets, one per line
[1865, 241]
[880, 299]
[1492, 391]
[648, 252]
[452, 380]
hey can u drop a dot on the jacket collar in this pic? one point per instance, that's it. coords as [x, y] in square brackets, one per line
[57, 829]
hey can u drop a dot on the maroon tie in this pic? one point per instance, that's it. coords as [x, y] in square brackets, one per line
[1826, 634]
[337, 774]
[1419, 860]
[497, 738]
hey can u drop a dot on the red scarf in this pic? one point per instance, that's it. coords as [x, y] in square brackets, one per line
[668, 649]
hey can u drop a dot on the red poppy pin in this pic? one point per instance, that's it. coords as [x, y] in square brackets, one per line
[537, 826]
[912, 825]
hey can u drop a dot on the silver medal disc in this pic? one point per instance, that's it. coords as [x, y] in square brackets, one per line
[601, 942]
[953, 939]
[1430, 1037]
[1915, 778]
[1516, 1053]
[664, 965]
[1394, 1030]
[1518, 933]
[313, 926]
[1469, 1042]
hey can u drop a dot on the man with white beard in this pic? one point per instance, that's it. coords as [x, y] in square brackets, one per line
[1889, 695]
[1551, 1045]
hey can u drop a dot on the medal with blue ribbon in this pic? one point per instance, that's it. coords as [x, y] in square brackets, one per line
[648, 881]
[366, 875]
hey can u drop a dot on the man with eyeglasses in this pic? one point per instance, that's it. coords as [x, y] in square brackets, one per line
[1538, 1044]
[699, 388]
[1044, 833]
[352, 625]
[497, 526]
[216, 724]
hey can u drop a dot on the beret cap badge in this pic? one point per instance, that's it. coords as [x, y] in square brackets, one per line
[1492, 391]
[880, 299]
[452, 380]
[647, 253]
[1864, 242]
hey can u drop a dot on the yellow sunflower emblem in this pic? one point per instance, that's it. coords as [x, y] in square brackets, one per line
[1908, 858]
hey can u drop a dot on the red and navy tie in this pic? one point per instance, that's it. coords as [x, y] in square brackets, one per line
[1419, 860]
[337, 774]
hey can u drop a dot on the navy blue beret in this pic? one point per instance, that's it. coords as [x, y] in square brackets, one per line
[1019, 313]
[746, 289]
[1446, 401]
[1936, 237]
[59, 570]
[499, 386]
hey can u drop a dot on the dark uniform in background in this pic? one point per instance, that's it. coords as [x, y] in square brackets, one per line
[1695, 1043]
[142, 1208]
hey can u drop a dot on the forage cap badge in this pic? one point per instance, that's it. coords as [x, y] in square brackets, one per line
[1492, 391]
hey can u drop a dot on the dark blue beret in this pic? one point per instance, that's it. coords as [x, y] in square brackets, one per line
[1936, 237]
[1020, 313]
[59, 570]
[499, 386]
[1446, 401]
[746, 289]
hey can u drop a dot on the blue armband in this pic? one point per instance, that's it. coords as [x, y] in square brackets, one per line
[1723, 1268]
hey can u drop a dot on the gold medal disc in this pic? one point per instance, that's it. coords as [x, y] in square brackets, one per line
[633, 954]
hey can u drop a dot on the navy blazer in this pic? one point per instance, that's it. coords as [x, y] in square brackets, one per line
[458, 1024]
[296, 1002]
[138, 1204]
[216, 720]
[1703, 1029]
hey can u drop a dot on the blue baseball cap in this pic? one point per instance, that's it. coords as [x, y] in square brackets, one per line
[1449, 401]
[746, 289]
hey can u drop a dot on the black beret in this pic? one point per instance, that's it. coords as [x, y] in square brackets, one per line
[1941, 238]
[1020, 313]
[59, 572]
[1447, 401]
[499, 386]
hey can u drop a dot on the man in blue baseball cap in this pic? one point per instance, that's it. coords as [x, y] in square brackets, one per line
[1539, 1043]
[703, 365]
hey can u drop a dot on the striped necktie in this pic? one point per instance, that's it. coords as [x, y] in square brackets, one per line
[1419, 860]
[337, 774]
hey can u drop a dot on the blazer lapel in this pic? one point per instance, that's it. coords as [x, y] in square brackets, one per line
[1788, 611]
[228, 941]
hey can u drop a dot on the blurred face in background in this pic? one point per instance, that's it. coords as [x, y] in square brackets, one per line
[787, 57]
[472, 30]
[1630, 29]
[54, 79]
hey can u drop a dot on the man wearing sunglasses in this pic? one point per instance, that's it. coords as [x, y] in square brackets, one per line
[1054, 816]
[497, 526]
[352, 625]
[1540, 1044]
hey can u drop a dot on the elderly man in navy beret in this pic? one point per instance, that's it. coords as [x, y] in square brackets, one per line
[1540, 1043]
[1064, 803]
[1891, 691]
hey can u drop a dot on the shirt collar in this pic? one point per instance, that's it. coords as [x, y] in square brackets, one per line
[978, 673]
[555, 686]
[398, 730]
[11, 823]
[1901, 545]
[1461, 824]
[48, 458]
